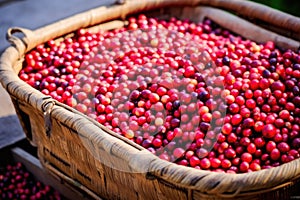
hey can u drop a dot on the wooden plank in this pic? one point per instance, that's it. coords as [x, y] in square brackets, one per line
[34, 166]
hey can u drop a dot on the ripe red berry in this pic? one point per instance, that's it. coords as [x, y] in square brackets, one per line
[259, 142]
[230, 153]
[245, 112]
[234, 108]
[283, 147]
[232, 138]
[248, 123]
[225, 163]
[240, 100]
[226, 129]
[275, 154]
[154, 98]
[244, 166]
[270, 146]
[284, 114]
[277, 85]
[255, 167]
[250, 103]
[247, 157]
[205, 163]
[269, 131]
[194, 161]
[251, 148]
[215, 163]
[258, 126]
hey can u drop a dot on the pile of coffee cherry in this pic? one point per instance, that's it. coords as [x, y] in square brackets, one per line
[17, 183]
[191, 93]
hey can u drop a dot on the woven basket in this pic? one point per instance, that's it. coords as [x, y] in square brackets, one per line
[82, 152]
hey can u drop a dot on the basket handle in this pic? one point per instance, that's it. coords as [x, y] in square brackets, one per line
[257, 11]
[15, 40]
[47, 107]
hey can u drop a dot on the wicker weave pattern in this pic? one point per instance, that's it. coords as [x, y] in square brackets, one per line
[82, 152]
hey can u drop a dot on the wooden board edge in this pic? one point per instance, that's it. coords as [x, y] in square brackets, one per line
[33, 165]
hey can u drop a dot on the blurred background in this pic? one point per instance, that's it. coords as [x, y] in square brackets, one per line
[289, 6]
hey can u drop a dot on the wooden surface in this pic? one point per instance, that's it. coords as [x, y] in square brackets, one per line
[34, 166]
